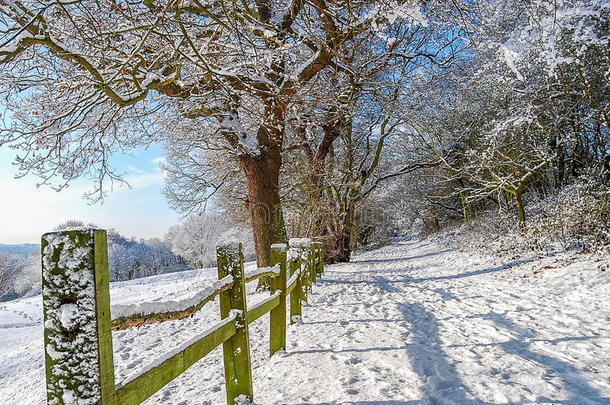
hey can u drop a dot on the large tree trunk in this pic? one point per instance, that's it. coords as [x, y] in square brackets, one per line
[339, 250]
[520, 208]
[338, 244]
[262, 174]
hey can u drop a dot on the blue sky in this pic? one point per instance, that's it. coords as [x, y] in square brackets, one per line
[26, 212]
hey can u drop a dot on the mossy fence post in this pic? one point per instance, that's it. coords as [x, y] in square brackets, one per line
[236, 350]
[76, 310]
[305, 252]
[318, 258]
[311, 260]
[277, 317]
[296, 294]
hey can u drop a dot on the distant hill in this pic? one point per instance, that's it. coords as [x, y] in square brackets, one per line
[23, 249]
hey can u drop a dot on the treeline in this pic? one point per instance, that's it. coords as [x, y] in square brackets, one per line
[130, 258]
[127, 259]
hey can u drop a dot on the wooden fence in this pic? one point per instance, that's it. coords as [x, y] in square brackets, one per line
[78, 324]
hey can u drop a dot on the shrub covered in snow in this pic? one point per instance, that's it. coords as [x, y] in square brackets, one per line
[576, 217]
[19, 276]
[10, 267]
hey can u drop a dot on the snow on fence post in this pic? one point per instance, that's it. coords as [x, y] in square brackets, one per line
[294, 265]
[277, 317]
[318, 258]
[236, 350]
[302, 246]
[76, 310]
[305, 254]
[311, 264]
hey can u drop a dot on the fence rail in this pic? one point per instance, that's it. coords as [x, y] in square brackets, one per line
[144, 318]
[77, 320]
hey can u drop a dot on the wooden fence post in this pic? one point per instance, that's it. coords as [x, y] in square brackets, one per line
[76, 310]
[311, 263]
[294, 265]
[305, 257]
[319, 258]
[236, 350]
[277, 317]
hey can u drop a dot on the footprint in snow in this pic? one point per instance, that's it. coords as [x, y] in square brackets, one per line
[353, 360]
[353, 380]
[134, 364]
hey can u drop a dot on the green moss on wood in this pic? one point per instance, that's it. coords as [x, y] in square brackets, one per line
[277, 318]
[236, 350]
[76, 308]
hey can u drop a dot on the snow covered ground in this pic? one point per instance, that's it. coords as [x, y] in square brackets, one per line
[410, 323]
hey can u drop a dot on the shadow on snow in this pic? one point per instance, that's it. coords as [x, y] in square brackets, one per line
[441, 383]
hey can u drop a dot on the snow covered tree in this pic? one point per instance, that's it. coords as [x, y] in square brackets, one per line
[343, 140]
[562, 52]
[10, 268]
[129, 259]
[529, 104]
[72, 223]
[195, 239]
[99, 75]
[366, 157]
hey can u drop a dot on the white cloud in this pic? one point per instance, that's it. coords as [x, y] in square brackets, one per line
[145, 179]
[158, 160]
[133, 169]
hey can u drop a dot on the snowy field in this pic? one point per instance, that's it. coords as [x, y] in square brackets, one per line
[411, 323]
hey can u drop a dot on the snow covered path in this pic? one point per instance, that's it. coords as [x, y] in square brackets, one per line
[415, 324]
[411, 323]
